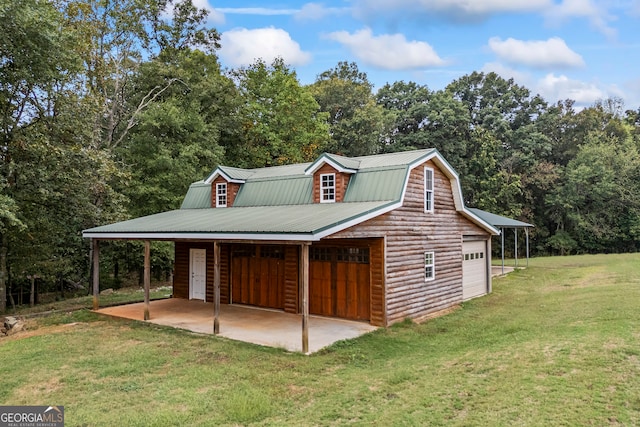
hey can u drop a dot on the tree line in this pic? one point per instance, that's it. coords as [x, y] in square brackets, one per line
[109, 111]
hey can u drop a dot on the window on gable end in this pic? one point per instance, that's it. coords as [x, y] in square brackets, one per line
[428, 189]
[221, 195]
[328, 188]
[429, 266]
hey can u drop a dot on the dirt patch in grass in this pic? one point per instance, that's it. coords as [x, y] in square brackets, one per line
[33, 328]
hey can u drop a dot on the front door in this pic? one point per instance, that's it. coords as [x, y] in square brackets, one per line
[198, 274]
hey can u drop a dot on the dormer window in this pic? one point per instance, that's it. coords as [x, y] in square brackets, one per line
[428, 190]
[328, 188]
[221, 195]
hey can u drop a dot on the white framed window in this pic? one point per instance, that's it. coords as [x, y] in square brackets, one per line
[328, 188]
[428, 189]
[429, 266]
[221, 195]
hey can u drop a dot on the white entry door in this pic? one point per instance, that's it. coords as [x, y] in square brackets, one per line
[198, 274]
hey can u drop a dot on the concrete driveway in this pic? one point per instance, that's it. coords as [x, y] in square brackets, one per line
[270, 328]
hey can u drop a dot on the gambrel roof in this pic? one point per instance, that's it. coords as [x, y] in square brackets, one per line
[276, 203]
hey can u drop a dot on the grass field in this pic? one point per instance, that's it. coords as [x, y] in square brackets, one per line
[556, 344]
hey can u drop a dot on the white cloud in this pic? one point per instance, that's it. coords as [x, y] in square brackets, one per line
[389, 51]
[554, 88]
[553, 52]
[460, 10]
[598, 16]
[507, 73]
[317, 11]
[241, 47]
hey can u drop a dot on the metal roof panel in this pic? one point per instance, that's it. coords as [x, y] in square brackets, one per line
[303, 219]
[198, 196]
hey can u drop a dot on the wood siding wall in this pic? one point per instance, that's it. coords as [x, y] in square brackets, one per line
[291, 276]
[342, 181]
[232, 191]
[181, 270]
[409, 232]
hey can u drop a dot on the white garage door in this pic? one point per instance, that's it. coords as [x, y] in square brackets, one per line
[474, 269]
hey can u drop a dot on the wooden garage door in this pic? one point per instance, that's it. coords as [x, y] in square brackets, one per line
[474, 269]
[257, 275]
[339, 284]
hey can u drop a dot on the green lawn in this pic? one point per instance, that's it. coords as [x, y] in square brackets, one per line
[556, 344]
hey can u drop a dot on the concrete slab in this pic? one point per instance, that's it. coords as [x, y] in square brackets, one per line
[270, 328]
[497, 270]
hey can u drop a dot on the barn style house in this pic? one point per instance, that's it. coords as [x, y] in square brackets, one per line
[375, 239]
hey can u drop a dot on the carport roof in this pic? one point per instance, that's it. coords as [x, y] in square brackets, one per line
[293, 222]
[499, 221]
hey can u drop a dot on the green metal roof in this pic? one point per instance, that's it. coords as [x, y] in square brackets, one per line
[277, 202]
[306, 222]
[295, 190]
[376, 184]
[345, 162]
[498, 221]
[236, 173]
[198, 196]
[401, 158]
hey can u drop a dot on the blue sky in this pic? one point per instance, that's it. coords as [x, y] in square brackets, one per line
[580, 49]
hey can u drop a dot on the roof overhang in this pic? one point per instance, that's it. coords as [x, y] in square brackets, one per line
[326, 160]
[310, 222]
[220, 173]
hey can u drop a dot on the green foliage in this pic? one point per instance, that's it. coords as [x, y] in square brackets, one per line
[598, 203]
[280, 121]
[176, 138]
[358, 126]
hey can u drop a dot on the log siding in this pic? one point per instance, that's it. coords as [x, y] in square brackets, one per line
[408, 233]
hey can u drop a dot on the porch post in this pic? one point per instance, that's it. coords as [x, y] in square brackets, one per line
[147, 277]
[526, 232]
[304, 274]
[96, 273]
[502, 248]
[515, 230]
[216, 288]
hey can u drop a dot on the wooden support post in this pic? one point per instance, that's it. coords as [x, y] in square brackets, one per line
[216, 288]
[96, 273]
[502, 248]
[515, 230]
[147, 277]
[304, 274]
[526, 231]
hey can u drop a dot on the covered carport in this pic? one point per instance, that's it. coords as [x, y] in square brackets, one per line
[504, 223]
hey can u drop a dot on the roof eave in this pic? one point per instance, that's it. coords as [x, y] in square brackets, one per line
[298, 237]
[219, 172]
[313, 167]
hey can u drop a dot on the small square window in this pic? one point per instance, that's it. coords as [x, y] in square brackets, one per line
[429, 266]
